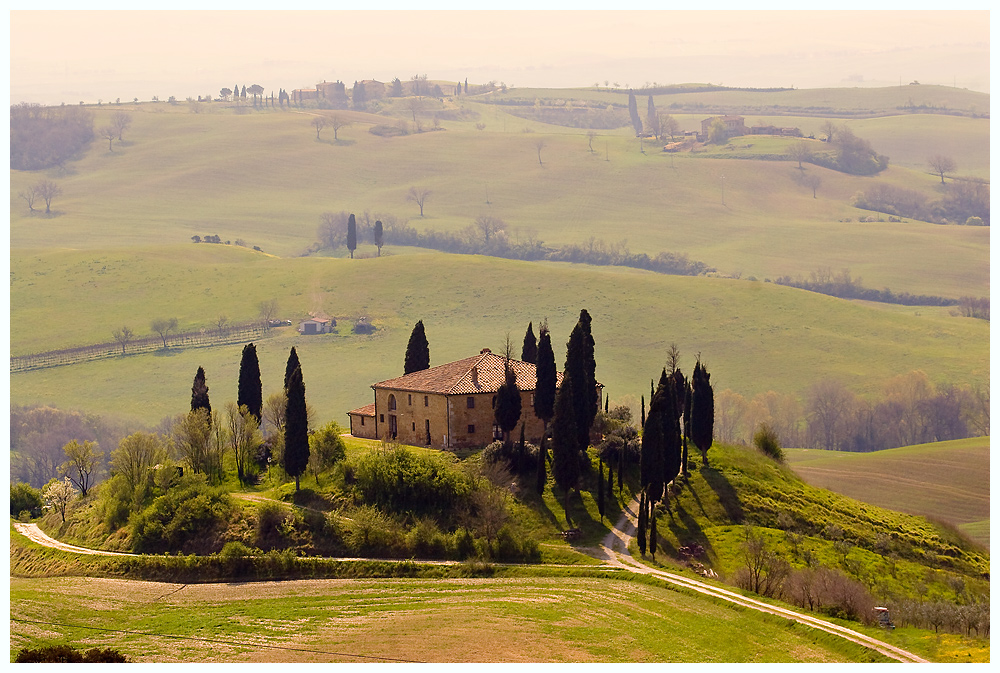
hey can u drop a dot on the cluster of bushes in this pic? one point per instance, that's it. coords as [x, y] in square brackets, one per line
[190, 517]
[964, 202]
[64, 654]
[844, 286]
[853, 155]
[607, 117]
[41, 137]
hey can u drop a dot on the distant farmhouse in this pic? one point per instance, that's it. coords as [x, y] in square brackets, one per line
[334, 92]
[735, 126]
[449, 406]
[317, 323]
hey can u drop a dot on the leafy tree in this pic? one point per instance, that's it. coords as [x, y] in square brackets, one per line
[290, 366]
[58, 494]
[296, 454]
[766, 441]
[529, 350]
[123, 335]
[226, 92]
[702, 410]
[941, 164]
[633, 113]
[565, 441]
[379, 236]
[352, 234]
[507, 411]
[201, 442]
[135, 457]
[82, 461]
[418, 353]
[249, 391]
[163, 327]
[717, 133]
[244, 442]
[24, 498]
[545, 378]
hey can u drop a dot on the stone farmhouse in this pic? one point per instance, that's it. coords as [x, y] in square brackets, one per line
[449, 406]
[733, 123]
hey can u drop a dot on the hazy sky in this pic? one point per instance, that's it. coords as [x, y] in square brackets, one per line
[69, 56]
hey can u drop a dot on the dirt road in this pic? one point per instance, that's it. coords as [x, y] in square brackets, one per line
[35, 534]
[615, 551]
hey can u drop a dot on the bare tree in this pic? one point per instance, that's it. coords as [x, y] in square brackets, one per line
[811, 181]
[48, 190]
[669, 125]
[268, 309]
[941, 164]
[29, 194]
[539, 145]
[830, 129]
[414, 105]
[488, 226]
[109, 132]
[164, 326]
[338, 122]
[123, 335]
[332, 230]
[800, 152]
[121, 121]
[418, 195]
[319, 123]
[221, 323]
[244, 440]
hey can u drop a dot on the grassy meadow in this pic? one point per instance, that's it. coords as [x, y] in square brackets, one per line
[753, 336]
[443, 620]
[947, 481]
[265, 178]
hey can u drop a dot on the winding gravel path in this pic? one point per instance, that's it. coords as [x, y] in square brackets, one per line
[614, 549]
[35, 534]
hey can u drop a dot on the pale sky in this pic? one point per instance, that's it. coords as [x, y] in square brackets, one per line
[68, 56]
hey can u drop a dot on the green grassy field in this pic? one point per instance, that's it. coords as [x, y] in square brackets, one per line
[753, 336]
[948, 481]
[355, 621]
[181, 174]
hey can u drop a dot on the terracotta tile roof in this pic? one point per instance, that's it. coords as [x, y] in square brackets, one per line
[367, 410]
[482, 373]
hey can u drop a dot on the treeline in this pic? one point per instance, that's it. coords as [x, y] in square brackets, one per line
[964, 202]
[909, 410]
[488, 235]
[842, 285]
[42, 137]
[853, 155]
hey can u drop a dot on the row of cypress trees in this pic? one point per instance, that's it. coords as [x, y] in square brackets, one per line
[250, 400]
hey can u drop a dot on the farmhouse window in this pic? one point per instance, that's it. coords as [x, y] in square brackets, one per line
[472, 428]
[470, 402]
[425, 400]
[392, 402]
[362, 420]
[381, 418]
[409, 400]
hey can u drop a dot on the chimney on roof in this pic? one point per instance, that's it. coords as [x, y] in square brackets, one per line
[485, 351]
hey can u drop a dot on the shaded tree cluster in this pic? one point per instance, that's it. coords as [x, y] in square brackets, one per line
[42, 137]
[841, 284]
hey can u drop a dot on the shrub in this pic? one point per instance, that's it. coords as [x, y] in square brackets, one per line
[371, 532]
[273, 526]
[766, 441]
[400, 481]
[236, 549]
[24, 498]
[64, 654]
[190, 518]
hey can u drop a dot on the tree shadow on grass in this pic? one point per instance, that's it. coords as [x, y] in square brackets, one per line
[728, 498]
[685, 528]
[166, 352]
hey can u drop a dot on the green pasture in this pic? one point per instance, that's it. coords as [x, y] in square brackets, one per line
[264, 177]
[443, 620]
[753, 336]
[947, 481]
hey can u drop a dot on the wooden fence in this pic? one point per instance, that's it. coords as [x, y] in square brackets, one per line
[204, 337]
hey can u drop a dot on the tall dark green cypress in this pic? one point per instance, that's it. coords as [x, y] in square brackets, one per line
[352, 234]
[545, 378]
[379, 236]
[686, 426]
[702, 410]
[529, 350]
[641, 525]
[633, 113]
[199, 393]
[581, 365]
[565, 442]
[642, 417]
[611, 481]
[651, 455]
[418, 351]
[291, 365]
[672, 440]
[295, 457]
[541, 475]
[652, 531]
[507, 411]
[249, 391]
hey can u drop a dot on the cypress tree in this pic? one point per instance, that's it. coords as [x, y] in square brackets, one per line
[633, 113]
[295, 457]
[290, 366]
[702, 410]
[520, 449]
[352, 234]
[607, 403]
[249, 390]
[565, 442]
[545, 378]
[686, 427]
[540, 474]
[600, 488]
[672, 441]
[652, 119]
[611, 482]
[529, 350]
[580, 364]
[507, 411]
[379, 236]
[199, 393]
[651, 456]
[621, 468]
[418, 353]
[642, 420]
[243, 93]
[641, 526]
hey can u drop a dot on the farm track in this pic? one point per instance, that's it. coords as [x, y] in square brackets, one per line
[613, 550]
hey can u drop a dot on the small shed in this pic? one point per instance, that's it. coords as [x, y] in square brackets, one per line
[363, 421]
[317, 324]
